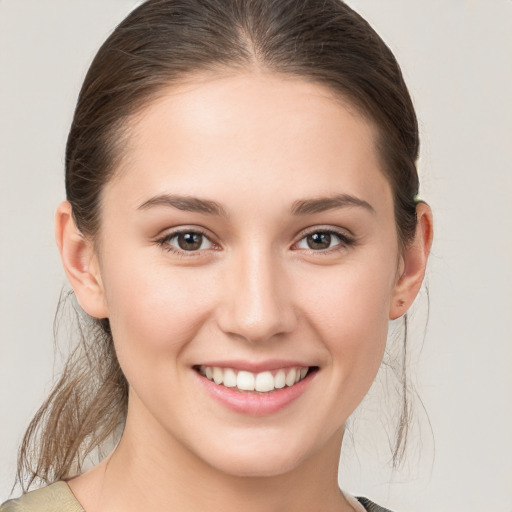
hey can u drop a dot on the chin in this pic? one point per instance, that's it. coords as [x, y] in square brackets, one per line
[257, 466]
[256, 459]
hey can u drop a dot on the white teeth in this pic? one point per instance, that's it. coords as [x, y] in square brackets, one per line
[245, 381]
[290, 377]
[218, 375]
[262, 382]
[229, 378]
[280, 379]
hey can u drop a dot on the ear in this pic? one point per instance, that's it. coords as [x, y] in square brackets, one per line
[413, 263]
[80, 263]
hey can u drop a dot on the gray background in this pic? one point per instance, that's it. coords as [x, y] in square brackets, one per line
[456, 56]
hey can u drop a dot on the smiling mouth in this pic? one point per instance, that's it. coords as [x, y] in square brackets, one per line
[262, 382]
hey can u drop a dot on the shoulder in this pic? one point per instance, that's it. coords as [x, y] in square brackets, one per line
[54, 498]
[367, 504]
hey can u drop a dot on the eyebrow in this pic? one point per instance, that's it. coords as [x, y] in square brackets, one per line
[322, 204]
[299, 207]
[186, 203]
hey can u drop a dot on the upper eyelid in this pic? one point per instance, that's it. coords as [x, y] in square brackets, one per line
[165, 237]
[301, 234]
[344, 239]
[326, 229]
[177, 231]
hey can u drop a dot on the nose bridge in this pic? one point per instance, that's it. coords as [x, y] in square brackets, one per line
[257, 305]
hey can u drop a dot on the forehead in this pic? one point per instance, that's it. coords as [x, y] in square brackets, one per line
[258, 133]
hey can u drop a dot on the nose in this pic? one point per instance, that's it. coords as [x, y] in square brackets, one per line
[257, 301]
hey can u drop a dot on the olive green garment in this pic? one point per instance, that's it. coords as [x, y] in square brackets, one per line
[59, 498]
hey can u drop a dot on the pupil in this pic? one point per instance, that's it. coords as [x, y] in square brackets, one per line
[319, 240]
[190, 241]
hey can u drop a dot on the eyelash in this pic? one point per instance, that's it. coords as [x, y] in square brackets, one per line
[164, 242]
[345, 242]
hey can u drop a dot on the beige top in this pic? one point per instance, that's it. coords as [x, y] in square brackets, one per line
[54, 498]
[59, 498]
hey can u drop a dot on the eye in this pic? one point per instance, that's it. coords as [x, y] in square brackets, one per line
[323, 240]
[185, 241]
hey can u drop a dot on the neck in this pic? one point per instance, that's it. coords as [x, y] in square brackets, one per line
[150, 470]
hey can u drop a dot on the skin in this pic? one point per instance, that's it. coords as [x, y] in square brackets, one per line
[255, 143]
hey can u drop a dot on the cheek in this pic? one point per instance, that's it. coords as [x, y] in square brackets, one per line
[350, 312]
[154, 309]
[350, 303]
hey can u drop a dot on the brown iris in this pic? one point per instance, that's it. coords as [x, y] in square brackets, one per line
[319, 240]
[190, 241]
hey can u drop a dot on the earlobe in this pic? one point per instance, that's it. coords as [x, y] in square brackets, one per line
[80, 263]
[413, 264]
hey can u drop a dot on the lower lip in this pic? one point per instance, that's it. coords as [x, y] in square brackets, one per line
[255, 404]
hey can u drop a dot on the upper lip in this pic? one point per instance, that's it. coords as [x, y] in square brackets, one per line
[256, 367]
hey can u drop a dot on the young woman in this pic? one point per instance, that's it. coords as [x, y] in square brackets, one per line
[241, 224]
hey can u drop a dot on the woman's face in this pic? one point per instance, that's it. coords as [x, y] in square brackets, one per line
[248, 235]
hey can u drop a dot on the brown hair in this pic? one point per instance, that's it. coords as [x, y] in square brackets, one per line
[164, 42]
